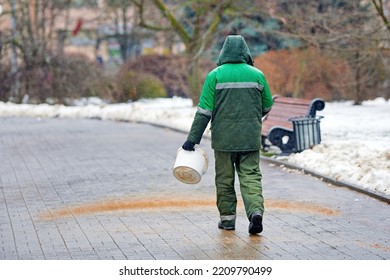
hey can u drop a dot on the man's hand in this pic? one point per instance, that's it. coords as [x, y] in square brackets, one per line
[188, 146]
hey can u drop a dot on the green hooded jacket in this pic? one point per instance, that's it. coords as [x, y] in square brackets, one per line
[235, 96]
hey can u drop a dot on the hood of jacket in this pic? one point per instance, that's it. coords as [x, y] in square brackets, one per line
[235, 50]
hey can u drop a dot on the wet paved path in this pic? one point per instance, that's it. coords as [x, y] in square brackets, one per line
[89, 189]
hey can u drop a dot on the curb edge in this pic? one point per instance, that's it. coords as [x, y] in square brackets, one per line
[339, 183]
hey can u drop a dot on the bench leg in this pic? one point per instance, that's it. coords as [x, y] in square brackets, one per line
[283, 138]
[263, 143]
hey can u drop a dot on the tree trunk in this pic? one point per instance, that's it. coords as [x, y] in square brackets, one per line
[358, 90]
[194, 80]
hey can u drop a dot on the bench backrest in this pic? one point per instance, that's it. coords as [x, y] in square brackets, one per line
[285, 108]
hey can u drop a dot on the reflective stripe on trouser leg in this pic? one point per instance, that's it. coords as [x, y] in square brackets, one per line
[249, 174]
[228, 218]
[224, 181]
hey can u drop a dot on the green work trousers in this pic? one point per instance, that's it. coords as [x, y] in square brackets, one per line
[246, 164]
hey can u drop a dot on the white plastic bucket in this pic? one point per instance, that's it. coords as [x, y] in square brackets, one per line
[190, 166]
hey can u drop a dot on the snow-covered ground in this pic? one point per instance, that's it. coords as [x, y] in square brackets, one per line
[355, 145]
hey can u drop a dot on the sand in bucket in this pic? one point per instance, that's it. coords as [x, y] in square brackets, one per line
[190, 165]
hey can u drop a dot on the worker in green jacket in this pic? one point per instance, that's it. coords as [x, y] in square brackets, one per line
[235, 97]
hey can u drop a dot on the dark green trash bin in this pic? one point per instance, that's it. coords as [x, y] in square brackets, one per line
[307, 131]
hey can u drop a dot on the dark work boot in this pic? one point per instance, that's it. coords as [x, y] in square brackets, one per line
[227, 225]
[256, 223]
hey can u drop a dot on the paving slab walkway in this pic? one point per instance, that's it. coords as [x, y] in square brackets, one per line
[90, 189]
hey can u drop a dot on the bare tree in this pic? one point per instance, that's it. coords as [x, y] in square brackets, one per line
[41, 71]
[194, 22]
[354, 30]
[121, 14]
[32, 31]
[383, 9]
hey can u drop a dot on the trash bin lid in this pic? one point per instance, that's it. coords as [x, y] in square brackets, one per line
[305, 118]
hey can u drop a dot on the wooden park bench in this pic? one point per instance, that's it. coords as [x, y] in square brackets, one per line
[280, 130]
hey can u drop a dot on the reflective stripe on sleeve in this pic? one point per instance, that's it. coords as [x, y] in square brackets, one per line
[205, 112]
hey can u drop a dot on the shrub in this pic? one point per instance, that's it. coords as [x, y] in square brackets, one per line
[306, 73]
[171, 70]
[5, 82]
[58, 79]
[133, 86]
[124, 87]
[150, 86]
